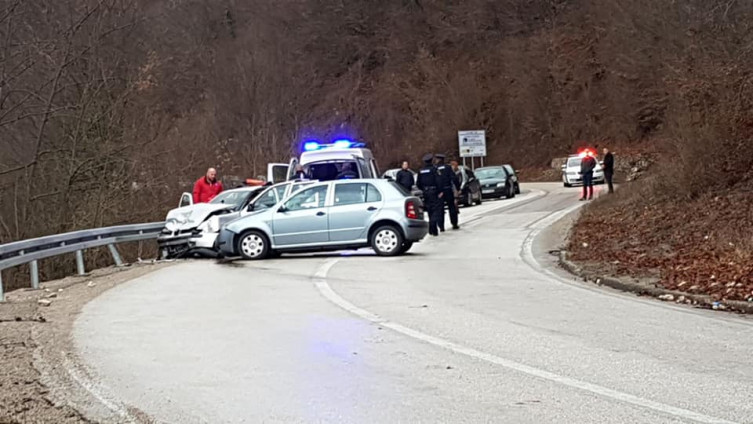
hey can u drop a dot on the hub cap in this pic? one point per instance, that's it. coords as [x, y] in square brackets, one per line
[252, 245]
[386, 241]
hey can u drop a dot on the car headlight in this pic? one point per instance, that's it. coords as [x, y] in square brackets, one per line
[212, 224]
[500, 184]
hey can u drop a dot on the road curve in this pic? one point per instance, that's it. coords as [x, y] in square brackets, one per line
[472, 326]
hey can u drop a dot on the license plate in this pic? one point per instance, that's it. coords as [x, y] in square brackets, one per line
[487, 191]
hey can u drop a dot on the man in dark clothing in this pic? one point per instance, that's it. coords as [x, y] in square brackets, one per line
[405, 177]
[448, 183]
[609, 168]
[427, 182]
[587, 166]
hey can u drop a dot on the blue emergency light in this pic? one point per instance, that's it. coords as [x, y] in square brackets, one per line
[311, 145]
[342, 143]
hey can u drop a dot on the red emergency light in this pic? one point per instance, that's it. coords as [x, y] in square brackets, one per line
[586, 152]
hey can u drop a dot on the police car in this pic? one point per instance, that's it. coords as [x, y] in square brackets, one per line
[340, 159]
[571, 170]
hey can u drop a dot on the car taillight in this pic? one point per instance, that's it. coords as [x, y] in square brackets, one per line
[411, 211]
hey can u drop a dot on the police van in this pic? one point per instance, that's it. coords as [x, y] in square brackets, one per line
[325, 162]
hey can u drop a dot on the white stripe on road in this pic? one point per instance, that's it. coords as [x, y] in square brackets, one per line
[320, 281]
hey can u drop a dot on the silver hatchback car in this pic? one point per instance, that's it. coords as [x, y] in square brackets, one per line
[334, 215]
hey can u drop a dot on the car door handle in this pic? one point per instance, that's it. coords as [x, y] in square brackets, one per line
[320, 213]
[371, 208]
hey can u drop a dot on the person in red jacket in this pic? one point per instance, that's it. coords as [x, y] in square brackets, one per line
[207, 187]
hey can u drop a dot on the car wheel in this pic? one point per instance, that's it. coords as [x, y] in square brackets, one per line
[406, 246]
[480, 199]
[468, 199]
[387, 241]
[517, 188]
[510, 192]
[253, 245]
[567, 184]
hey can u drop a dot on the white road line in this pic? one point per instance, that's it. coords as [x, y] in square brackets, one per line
[80, 375]
[526, 254]
[320, 281]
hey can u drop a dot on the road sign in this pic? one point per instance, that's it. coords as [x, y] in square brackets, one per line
[472, 144]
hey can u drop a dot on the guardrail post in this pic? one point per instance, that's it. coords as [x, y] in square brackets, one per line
[34, 271]
[115, 255]
[80, 262]
[2, 295]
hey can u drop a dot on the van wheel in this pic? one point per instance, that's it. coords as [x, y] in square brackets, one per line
[387, 241]
[253, 245]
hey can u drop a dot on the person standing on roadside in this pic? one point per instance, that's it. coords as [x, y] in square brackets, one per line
[461, 178]
[587, 165]
[207, 187]
[405, 177]
[428, 184]
[609, 168]
[448, 183]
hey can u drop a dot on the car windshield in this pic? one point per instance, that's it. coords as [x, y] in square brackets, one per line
[489, 173]
[234, 198]
[573, 162]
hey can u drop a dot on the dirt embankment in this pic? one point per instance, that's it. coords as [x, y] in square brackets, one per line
[698, 245]
[41, 378]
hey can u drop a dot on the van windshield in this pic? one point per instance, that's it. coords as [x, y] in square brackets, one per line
[332, 170]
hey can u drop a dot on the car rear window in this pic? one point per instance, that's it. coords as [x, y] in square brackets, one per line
[400, 188]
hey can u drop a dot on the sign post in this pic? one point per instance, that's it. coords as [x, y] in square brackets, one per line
[472, 144]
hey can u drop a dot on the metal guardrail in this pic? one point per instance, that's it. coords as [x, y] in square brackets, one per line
[32, 250]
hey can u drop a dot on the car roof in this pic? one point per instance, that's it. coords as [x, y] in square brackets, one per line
[245, 188]
[335, 154]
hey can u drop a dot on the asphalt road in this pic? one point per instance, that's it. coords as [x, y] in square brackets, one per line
[473, 326]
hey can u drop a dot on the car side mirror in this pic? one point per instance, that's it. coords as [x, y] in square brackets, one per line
[250, 207]
[282, 209]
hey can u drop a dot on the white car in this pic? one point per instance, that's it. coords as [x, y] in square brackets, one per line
[191, 229]
[571, 171]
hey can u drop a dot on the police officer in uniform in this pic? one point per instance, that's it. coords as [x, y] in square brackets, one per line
[448, 182]
[427, 182]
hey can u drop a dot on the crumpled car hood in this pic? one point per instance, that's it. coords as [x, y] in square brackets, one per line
[189, 217]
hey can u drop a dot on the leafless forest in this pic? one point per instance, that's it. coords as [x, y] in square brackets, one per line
[110, 108]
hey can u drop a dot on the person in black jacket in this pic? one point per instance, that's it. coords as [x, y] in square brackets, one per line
[427, 182]
[587, 165]
[609, 168]
[448, 183]
[405, 177]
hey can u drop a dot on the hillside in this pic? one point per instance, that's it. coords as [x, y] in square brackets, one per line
[108, 107]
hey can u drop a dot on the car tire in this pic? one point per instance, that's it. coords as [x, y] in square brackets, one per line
[510, 192]
[480, 199]
[567, 184]
[253, 245]
[517, 188]
[387, 240]
[406, 246]
[468, 199]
